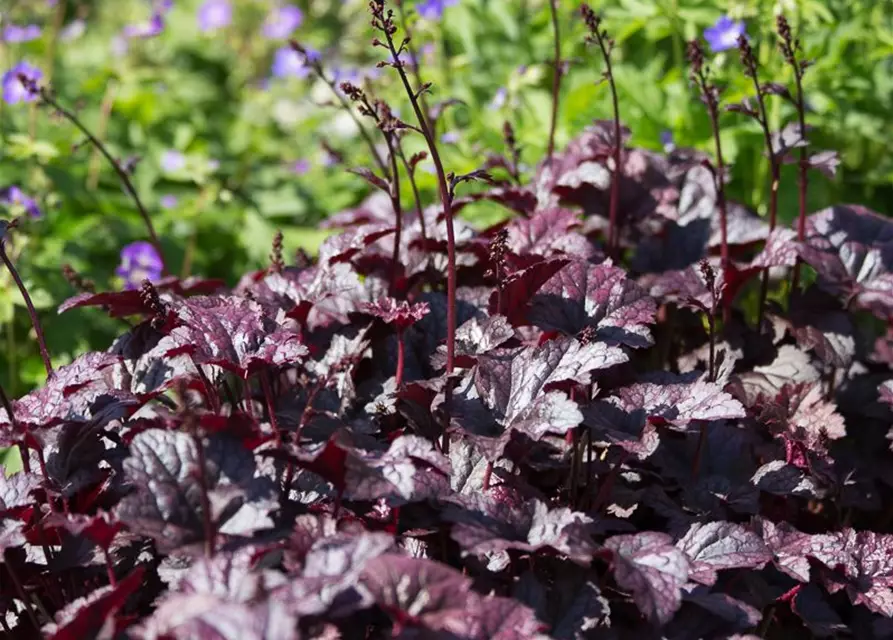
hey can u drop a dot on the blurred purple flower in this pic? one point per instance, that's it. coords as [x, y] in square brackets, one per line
[301, 166]
[450, 137]
[168, 201]
[173, 161]
[154, 27]
[214, 14]
[724, 34]
[16, 33]
[666, 139]
[213, 164]
[499, 98]
[282, 22]
[73, 30]
[139, 261]
[14, 197]
[14, 90]
[289, 63]
[433, 9]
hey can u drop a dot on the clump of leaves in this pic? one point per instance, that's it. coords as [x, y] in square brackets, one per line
[439, 432]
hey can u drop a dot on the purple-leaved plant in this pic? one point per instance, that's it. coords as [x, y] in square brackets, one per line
[292, 457]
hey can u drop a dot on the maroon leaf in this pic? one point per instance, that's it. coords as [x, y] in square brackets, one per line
[88, 617]
[483, 525]
[721, 545]
[654, 571]
[851, 248]
[584, 295]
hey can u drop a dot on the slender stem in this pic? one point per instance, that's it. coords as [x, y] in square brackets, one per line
[410, 173]
[364, 133]
[802, 182]
[488, 473]
[413, 57]
[605, 46]
[775, 168]
[47, 98]
[445, 199]
[556, 78]
[105, 113]
[210, 534]
[271, 404]
[35, 321]
[20, 591]
[23, 450]
[401, 356]
[398, 210]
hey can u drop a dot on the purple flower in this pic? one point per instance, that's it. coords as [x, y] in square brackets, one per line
[666, 139]
[214, 14]
[213, 164]
[14, 90]
[139, 261]
[300, 167]
[15, 33]
[433, 9]
[499, 98]
[289, 63]
[450, 137]
[724, 34]
[168, 201]
[154, 27]
[74, 30]
[282, 21]
[14, 197]
[173, 161]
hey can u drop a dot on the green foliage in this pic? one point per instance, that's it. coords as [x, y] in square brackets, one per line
[208, 96]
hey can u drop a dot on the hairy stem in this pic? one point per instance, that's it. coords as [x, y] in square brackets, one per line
[271, 404]
[35, 321]
[556, 78]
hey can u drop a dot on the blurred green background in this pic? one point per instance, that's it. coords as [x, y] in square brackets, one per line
[253, 143]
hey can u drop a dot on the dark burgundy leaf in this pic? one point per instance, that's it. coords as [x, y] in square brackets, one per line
[714, 546]
[420, 593]
[547, 233]
[485, 525]
[676, 401]
[167, 501]
[518, 288]
[513, 382]
[648, 565]
[474, 338]
[130, 302]
[600, 296]
[71, 391]
[95, 615]
[826, 162]
[851, 248]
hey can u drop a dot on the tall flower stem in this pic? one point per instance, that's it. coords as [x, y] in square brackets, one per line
[47, 99]
[789, 48]
[710, 96]
[605, 44]
[749, 61]
[35, 321]
[384, 22]
[210, 534]
[556, 78]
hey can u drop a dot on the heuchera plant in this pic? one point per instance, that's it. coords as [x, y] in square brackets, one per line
[568, 425]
